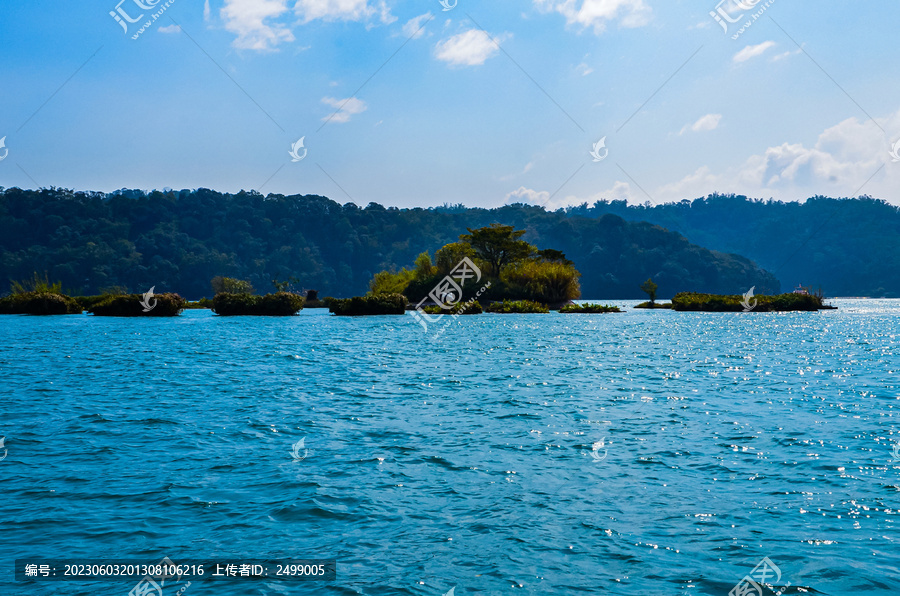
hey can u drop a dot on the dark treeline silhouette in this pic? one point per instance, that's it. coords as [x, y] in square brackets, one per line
[178, 241]
[849, 247]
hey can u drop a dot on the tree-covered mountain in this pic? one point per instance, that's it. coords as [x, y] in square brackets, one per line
[849, 247]
[178, 240]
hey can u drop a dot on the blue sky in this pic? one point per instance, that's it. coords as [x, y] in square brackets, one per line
[484, 104]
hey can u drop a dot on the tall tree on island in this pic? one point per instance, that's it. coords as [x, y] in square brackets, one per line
[650, 287]
[498, 245]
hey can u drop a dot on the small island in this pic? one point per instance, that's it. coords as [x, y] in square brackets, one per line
[137, 305]
[38, 296]
[650, 287]
[279, 304]
[360, 306]
[517, 307]
[588, 309]
[796, 301]
[491, 265]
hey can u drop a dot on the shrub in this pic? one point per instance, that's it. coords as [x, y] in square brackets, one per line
[461, 309]
[130, 305]
[39, 303]
[654, 305]
[543, 281]
[517, 306]
[202, 303]
[279, 304]
[588, 308]
[379, 304]
[87, 302]
[37, 285]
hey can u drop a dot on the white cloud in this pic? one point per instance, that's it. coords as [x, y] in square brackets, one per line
[708, 122]
[469, 48]
[753, 51]
[528, 195]
[843, 158]
[255, 22]
[250, 20]
[345, 108]
[342, 10]
[848, 159]
[170, 29]
[619, 190]
[583, 69]
[414, 27]
[206, 12]
[597, 13]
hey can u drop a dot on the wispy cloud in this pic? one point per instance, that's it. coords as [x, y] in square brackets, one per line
[170, 29]
[345, 108]
[413, 27]
[753, 51]
[784, 55]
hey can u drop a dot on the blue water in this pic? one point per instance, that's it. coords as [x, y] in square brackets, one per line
[461, 463]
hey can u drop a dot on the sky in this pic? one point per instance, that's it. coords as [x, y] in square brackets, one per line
[482, 103]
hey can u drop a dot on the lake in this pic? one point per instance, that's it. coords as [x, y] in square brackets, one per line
[649, 452]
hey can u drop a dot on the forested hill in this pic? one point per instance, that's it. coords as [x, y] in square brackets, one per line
[178, 241]
[849, 247]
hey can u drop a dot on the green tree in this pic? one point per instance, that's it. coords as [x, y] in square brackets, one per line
[650, 288]
[288, 285]
[498, 245]
[229, 285]
[386, 282]
[449, 256]
[423, 267]
[551, 255]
